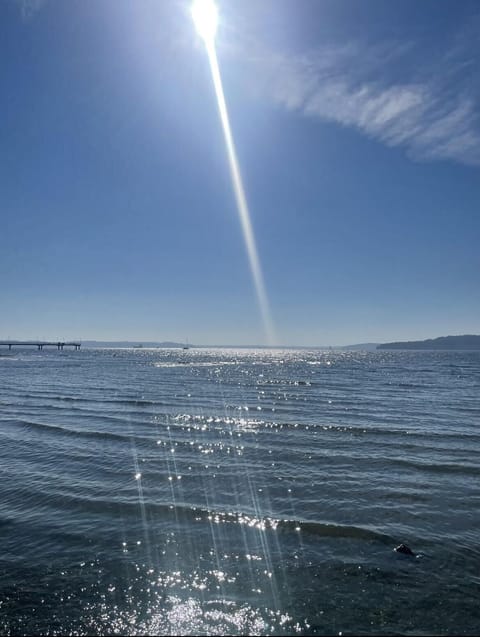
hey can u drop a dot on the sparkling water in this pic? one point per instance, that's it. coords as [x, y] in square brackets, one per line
[222, 491]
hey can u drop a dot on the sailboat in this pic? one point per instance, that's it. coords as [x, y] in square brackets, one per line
[186, 346]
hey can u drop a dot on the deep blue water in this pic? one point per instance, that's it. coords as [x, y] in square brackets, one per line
[239, 492]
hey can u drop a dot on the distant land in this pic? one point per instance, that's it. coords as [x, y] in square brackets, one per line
[467, 341]
[369, 347]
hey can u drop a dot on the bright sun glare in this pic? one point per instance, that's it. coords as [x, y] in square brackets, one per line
[205, 17]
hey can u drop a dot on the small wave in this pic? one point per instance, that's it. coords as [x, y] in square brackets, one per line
[206, 421]
[135, 402]
[76, 433]
[336, 530]
[468, 410]
[410, 385]
[89, 415]
[362, 430]
[439, 467]
[218, 422]
[128, 503]
[141, 402]
[284, 382]
[321, 529]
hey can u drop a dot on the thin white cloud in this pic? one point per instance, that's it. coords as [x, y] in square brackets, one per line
[29, 8]
[430, 109]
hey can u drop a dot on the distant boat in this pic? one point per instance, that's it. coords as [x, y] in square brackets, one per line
[137, 346]
[186, 346]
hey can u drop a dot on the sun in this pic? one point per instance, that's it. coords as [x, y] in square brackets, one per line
[205, 17]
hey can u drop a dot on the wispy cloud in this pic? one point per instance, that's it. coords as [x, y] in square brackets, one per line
[388, 91]
[29, 8]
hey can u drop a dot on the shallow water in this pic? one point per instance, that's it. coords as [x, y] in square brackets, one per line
[239, 492]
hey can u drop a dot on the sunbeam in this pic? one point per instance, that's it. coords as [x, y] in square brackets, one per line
[204, 14]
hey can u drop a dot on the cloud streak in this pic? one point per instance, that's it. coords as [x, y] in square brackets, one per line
[429, 108]
[29, 8]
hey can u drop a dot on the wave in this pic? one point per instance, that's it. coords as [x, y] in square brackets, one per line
[76, 433]
[404, 441]
[215, 421]
[51, 396]
[183, 513]
[323, 529]
[439, 467]
[88, 415]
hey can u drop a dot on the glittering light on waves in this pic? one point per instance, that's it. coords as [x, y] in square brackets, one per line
[205, 17]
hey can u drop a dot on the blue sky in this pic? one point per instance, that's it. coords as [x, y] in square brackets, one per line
[357, 127]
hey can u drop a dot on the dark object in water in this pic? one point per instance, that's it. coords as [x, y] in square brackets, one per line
[403, 548]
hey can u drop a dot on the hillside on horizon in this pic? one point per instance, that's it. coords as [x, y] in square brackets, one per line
[463, 342]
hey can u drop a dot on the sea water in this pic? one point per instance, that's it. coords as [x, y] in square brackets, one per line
[223, 491]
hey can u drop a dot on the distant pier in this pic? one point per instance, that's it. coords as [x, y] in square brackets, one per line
[41, 344]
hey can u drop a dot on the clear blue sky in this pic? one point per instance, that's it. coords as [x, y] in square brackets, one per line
[357, 127]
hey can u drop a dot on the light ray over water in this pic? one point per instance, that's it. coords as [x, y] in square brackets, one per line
[240, 197]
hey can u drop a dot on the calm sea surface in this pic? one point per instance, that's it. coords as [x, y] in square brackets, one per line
[239, 492]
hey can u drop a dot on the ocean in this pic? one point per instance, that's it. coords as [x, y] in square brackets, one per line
[239, 491]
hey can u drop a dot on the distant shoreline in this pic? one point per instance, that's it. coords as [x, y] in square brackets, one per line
[466, 342]
[460, 343]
